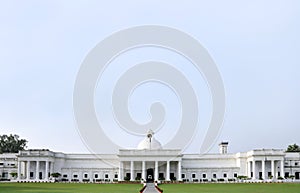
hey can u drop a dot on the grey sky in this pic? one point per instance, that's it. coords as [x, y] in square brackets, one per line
[255, 45]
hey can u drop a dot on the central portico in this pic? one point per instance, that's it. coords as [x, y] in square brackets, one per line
[149, 161]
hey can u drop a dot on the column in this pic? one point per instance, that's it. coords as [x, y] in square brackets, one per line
[28, 170]
[168, 171]
[253, 170]
[282, 168]
[37, 169]
[249, 168]
[46, 170]
[179, 171]
[120, 172]
[19, 170]
[144, 170]
[275, 169]
[51, 167]
[131, 171]
[156, 171]
[263, 168]
[272, 169]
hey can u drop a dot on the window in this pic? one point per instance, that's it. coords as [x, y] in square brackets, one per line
[106, 176]
[193, 175]
[183, 176]
[65, 176]
[235, 175]
[96, 176]
[75, 176]
[116, 176]
[31, 174]
[139, 175]
[1, 164]
[12, 164]
[203, 175]
[4, 175]
[160, 175]
[296, 163]
[214, 175]
[225, 175]
[286, 174]
[85, 176]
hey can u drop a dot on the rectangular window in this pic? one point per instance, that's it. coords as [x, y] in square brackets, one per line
[193, 175]
[31, 174]
[225, 175]
[1, 164]
[85, 176]
[214, 175]
[203, 175]
[106, 176]
[183, 176]
[75, 176]
[172, 176]
[160, 175]
[116, 176]
[4, 175]
[286, 174]
[269, 174]
[235, 175]
[65, 176]
[139, 175]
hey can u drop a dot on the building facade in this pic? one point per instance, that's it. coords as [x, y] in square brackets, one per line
[149, 161]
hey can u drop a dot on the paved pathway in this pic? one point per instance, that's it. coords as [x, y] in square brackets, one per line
[150, 188]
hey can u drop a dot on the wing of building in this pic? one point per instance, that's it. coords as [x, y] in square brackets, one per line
[149, 161]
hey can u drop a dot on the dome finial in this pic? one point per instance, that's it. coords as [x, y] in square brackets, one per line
[149, 142]
[150, 134]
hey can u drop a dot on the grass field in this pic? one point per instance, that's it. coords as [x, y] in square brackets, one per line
[231, 188]
[134, 188]
[68, 188]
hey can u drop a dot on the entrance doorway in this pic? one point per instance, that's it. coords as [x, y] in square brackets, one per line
[150, 176]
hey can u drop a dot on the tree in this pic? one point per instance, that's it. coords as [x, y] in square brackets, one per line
[14, 174]
[293, 148]
[55, 175]
[11, 144]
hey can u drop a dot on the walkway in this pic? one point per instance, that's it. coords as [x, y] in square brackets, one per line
[150, 188]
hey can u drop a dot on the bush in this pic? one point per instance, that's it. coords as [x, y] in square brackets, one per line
[137, 178]
[161, 178]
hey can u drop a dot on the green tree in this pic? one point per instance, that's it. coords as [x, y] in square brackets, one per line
[14, 174]
[55, 175]
[293, 148]
[11, 143]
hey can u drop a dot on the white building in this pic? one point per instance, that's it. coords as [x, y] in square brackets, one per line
[151, 162]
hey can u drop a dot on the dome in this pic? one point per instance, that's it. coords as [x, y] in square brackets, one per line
[149, 142]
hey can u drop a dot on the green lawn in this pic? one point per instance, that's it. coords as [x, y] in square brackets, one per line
[70, 188]
[231, 188]
[134, 188]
